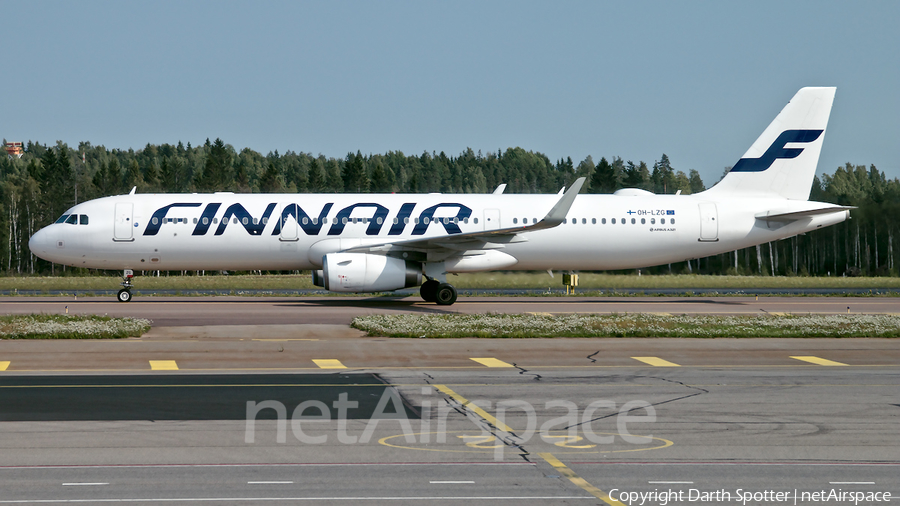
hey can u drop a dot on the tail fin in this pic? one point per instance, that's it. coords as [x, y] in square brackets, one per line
[782, 162]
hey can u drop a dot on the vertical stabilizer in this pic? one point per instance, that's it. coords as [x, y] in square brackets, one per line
[782, 162]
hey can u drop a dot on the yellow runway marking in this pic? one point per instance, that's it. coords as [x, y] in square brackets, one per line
[656, 361]
[4, 365]
[491, 362]
[163, 365]
[818, 361]
[329, 363]
[578, 480]
[473, 408]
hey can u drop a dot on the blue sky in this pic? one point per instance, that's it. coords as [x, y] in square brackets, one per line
[698, 81]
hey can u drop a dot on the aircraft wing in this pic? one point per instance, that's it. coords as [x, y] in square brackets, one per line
[449, 245]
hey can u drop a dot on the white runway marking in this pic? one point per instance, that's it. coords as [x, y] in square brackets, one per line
[435, 482]
[83, 484]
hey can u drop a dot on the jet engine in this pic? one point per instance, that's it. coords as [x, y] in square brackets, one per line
[362, 272]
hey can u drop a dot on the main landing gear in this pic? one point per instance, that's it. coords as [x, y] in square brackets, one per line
[125, 293]
[434, 291]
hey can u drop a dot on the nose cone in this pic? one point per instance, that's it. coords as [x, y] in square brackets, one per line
[40, 243]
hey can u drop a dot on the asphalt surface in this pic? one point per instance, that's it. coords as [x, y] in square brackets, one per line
[190, 413]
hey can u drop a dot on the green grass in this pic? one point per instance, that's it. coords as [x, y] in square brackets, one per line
[626, 325]
[46, 326]
[588, 282]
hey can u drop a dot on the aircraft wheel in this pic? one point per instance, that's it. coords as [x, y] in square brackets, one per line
[124, 295]
[429, 290]
[446, 294]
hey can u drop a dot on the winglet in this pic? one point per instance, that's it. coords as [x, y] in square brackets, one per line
[500, 189]
[561, 209]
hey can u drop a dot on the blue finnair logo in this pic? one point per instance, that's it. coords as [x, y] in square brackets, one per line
[777, 150]
[312, 224]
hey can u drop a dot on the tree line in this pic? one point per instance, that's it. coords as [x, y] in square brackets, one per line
[48, 179]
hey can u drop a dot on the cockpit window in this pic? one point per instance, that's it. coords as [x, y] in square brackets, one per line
[62, 219]
[83, 219]
[73, 219]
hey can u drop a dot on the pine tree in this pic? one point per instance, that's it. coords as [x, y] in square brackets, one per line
[271, 181]
[356, 180]
[315, 179]
[333, 181]
[604, 178]
[380, 181]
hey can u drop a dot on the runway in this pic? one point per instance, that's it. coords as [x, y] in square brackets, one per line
[288, 405]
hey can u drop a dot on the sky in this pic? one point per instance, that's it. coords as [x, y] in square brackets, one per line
[698, 81]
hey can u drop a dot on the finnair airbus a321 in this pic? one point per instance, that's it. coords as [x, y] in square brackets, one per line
[382, 242]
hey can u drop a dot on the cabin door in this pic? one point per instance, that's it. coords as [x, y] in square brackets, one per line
[289, 226]
[709, 225]
[491, 219]
[123, 229]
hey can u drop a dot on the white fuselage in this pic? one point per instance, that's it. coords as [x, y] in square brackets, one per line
[601, 232]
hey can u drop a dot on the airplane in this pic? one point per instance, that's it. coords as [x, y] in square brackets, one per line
[385, 242]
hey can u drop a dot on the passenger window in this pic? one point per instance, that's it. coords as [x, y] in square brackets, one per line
[344, 220]
[244, 221]
[73, 219]
[155, 220]
[672, 221]
[593, 221]
[63, 218]
[584, 221]
[205, 220]
[633, 221]
[653, 221]
[613, 221]
[603, 221]
[379, 221]
[643, 221]
[623, 221]
[255, 221]
[215, 220]
[83, 219]
[315, 220]
[195, 221]
[265, 221]
[662, 221]
[406, 221]
[476, 220]
[565, 221]
[236, 220]
[305, 220]
[465, 220]
[515, 220]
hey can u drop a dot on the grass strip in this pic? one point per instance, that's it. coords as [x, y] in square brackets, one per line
[47, 326]
[626, 325]
[475, 281]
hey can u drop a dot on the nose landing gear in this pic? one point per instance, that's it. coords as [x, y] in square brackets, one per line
[124, 294]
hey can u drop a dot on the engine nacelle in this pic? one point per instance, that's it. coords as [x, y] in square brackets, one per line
[362, 272]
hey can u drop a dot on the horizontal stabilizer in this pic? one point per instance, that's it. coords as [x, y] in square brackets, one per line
[792, 215]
